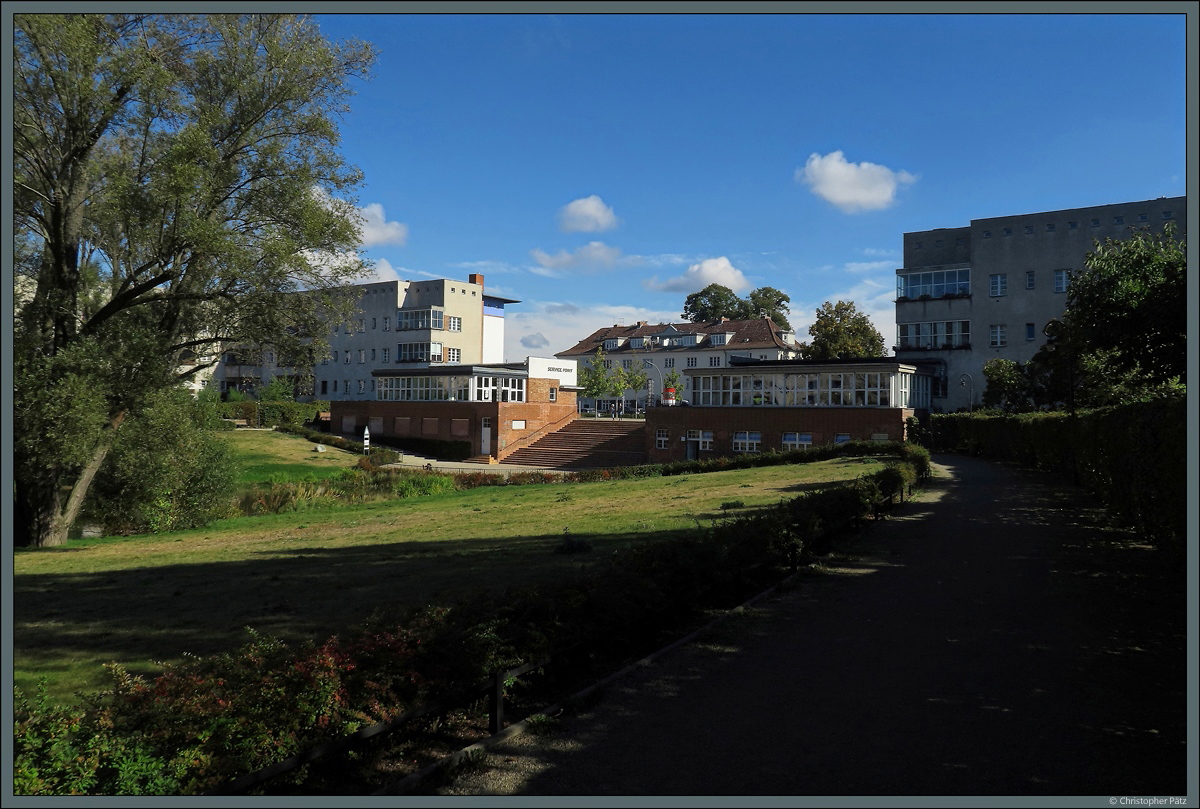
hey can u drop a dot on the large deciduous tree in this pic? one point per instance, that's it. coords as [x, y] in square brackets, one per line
[177, 187]
[713, 303]
[1129, 300]
[716, 301]
[842, 332]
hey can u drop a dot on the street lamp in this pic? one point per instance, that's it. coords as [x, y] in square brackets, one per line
[965, 381]
[650, 364]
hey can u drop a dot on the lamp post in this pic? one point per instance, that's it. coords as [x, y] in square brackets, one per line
[965, 381]
[650, 364]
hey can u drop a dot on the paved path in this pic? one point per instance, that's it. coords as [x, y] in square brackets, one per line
[992, 639]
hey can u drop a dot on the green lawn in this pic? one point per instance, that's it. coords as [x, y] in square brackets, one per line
[266, 455]
[311, 574]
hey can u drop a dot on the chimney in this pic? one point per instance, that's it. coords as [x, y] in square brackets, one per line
[641, 323]
[475, 278]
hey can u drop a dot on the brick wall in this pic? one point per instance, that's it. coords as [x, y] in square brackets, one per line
[823, 422]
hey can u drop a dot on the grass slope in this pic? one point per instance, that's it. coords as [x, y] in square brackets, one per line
[140, 599]
[266, 455]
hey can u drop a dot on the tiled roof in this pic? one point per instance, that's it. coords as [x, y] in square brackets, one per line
[747, 334]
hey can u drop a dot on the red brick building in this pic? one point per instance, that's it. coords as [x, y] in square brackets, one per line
[497, 409]
[759, 406]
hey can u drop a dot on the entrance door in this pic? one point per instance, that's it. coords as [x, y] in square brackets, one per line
[693, 450]
[485, 436]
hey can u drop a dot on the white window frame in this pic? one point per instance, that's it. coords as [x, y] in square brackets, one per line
[997, 336]
[1062, 280]
[747, 441]
[714, 362]
[662, 439]
[795, 441]
[998, 284]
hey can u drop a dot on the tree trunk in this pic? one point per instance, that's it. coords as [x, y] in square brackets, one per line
[50, 527]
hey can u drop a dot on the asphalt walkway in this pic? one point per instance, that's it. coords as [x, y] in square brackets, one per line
[993, 638]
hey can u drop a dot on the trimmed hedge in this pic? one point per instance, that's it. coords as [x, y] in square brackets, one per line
[270, 414]
[1133, 456]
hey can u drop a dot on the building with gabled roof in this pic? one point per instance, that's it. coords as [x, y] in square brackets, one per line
[664, 347]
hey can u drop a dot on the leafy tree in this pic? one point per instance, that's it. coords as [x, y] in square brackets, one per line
[597, 380]
[1129, 301]
[713, 303]
[176, 183]
[770, 302]
[842, 332]
[164, 471]
[279, 389]
[1006, 388]
[635, 378]
[716, 301]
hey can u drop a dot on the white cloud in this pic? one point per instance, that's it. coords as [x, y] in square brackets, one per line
[376, 230]
[700, 275]
[487, 266]
[562, 324]
[586, 215]
[592, 255]
[852, 187]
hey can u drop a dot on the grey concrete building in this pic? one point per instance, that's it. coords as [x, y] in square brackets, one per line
[970, 294]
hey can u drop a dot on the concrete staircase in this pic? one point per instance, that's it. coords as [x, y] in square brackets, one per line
[587, 444]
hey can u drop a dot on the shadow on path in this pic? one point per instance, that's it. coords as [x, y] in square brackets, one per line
[996, 637]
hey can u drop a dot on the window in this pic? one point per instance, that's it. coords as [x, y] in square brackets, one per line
[1143, 217]
[1095, 223]
[554, 394]
[1062, 279]
[938, 334]
[717, 339]
[608, 363]
[335, 386]
[455, 323]
[1050, 228]
[933, 284]
[841, 438]
[454, 355]
[386, 327]
[714, 362]
[747, 442]
[793, 441]
[435, 352]
[1029, 279]
[706, 439]
[999, 336]
[372, 355]
[1118, 220]
[362, 356]
[345, 358]
[418, 319]
[387, 355]
[661, 439]
[669, 362]
[374, 322]
[1028, 230]
[987, 234]
[1008, 231]
[362, 386]
[691, 362]
[324, 385]
[917, 246]
[609, 345]
[1072, 226]
[998, 284]
[346, 386]
[626, 364]
[335, 355]
[360, 325]
[1030, 332]
[1167, 214]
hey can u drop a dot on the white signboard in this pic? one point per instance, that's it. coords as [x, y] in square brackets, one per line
[565, 371]
[366, 441]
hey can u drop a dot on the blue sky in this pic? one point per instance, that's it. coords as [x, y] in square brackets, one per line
[601, 168]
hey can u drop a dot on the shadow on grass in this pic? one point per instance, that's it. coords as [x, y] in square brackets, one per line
[145, 614]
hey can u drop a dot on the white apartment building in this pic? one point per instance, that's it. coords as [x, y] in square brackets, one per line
[970, 294]
[663, 348]
[396, 325]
